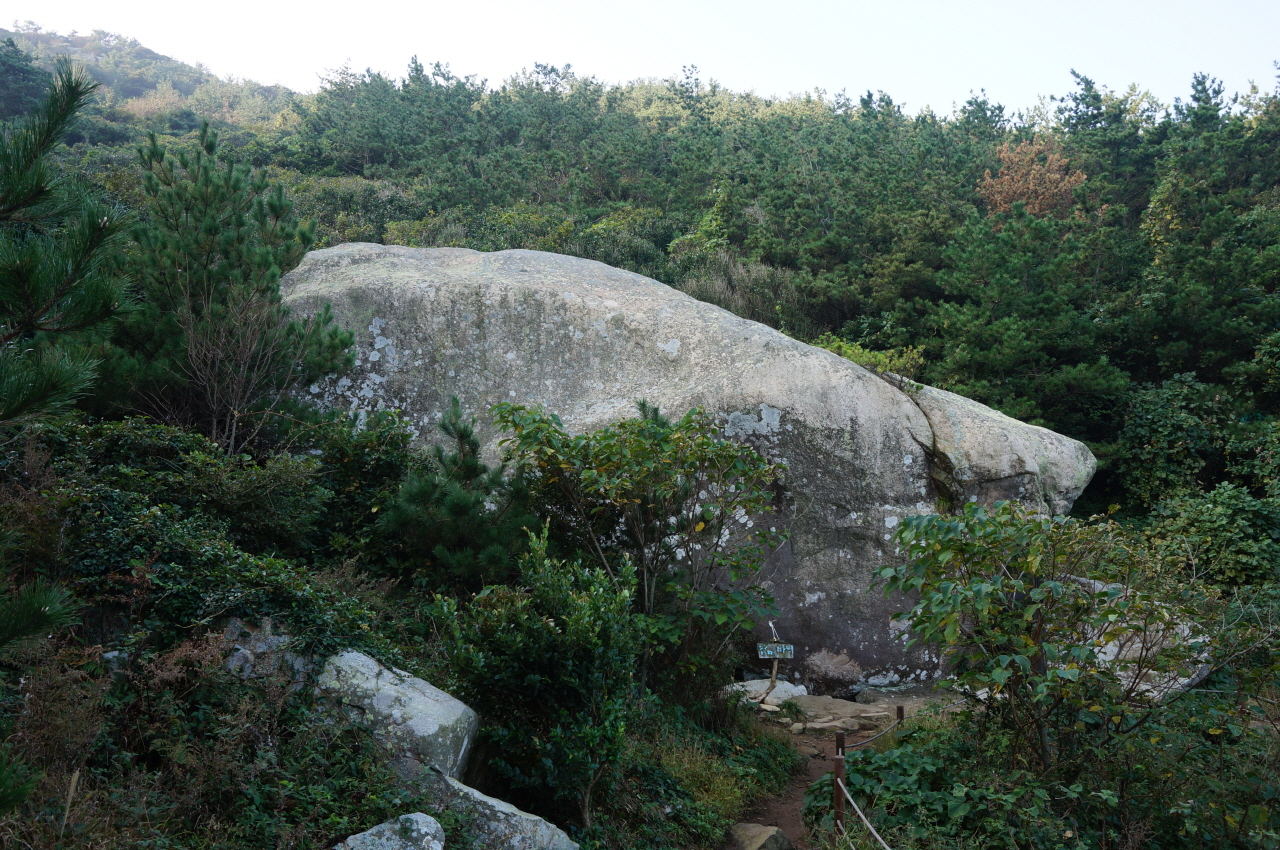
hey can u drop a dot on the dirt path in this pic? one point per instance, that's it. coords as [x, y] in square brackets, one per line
[784, 810]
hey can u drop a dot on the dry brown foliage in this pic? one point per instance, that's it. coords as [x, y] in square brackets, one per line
[754, 291]
[64, 713]
[1035, 174]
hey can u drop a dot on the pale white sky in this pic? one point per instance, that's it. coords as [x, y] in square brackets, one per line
[921, 52]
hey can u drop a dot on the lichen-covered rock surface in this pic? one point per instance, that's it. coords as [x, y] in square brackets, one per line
[497, 825]
[421, 725]
[407, 832]
[585, 341]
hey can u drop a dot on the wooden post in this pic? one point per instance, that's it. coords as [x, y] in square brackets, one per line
[837, 791]
[901, 713]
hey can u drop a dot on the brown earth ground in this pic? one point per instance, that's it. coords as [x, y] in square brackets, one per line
[784, 810]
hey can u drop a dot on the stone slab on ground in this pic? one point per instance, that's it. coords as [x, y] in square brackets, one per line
[753, 689]
[756, 836]
[817, 707]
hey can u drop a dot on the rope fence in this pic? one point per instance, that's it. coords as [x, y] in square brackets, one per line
[840, 792]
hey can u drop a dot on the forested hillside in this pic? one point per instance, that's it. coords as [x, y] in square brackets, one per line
[1080, 266]
[1101, 264]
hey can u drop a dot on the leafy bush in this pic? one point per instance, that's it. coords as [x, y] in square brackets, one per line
[681, 784]
[1171, 434]
[174, 751]
[905, 362]
[678, 502]
[550, 665]
[362, 463]
[150, 525]
[1226, 535]
[1075, 644]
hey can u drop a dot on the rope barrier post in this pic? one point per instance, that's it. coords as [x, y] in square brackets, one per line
[838, 791]
[902, 713]
[840, 743]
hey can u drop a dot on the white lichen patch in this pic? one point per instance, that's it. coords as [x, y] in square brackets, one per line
[741, 425]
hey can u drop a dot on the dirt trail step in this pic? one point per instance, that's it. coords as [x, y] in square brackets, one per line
[784, 810]
[817, 740]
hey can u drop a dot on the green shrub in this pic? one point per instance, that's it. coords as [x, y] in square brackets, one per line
[1226, 535]
[151, 529]
[550, 665]
[682, 504]
[362, 463]
[1069, 640]
[681, 784]
[458, 523]
[904, 362]
[174, 751]
[1171, 437]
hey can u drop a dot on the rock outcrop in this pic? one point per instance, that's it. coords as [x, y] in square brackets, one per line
[407, 832]
[491, 824]
[585, 341]
[421, 725]
[753, 689]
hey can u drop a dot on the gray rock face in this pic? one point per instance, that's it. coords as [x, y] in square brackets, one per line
[753, 689]
[501, 826]
[981, 453]
[407, 832]
[585, 340]
[257, 651]
[420, 724]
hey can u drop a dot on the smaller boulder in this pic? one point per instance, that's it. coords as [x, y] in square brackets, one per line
[755, 836]
[754, 689]
[496, 824]
[871, 696]
[420, 724]
[407, 832]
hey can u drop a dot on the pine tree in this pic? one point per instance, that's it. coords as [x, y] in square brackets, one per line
[212, 347]
[56, 245]
[461, 523]
[55, 282]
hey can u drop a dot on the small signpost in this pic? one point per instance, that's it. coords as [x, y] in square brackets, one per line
[774, 649]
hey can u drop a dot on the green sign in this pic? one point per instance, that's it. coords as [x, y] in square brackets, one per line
[776, 650]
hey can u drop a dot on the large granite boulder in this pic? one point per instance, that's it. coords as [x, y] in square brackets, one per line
[419, 724]
[585, 340]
